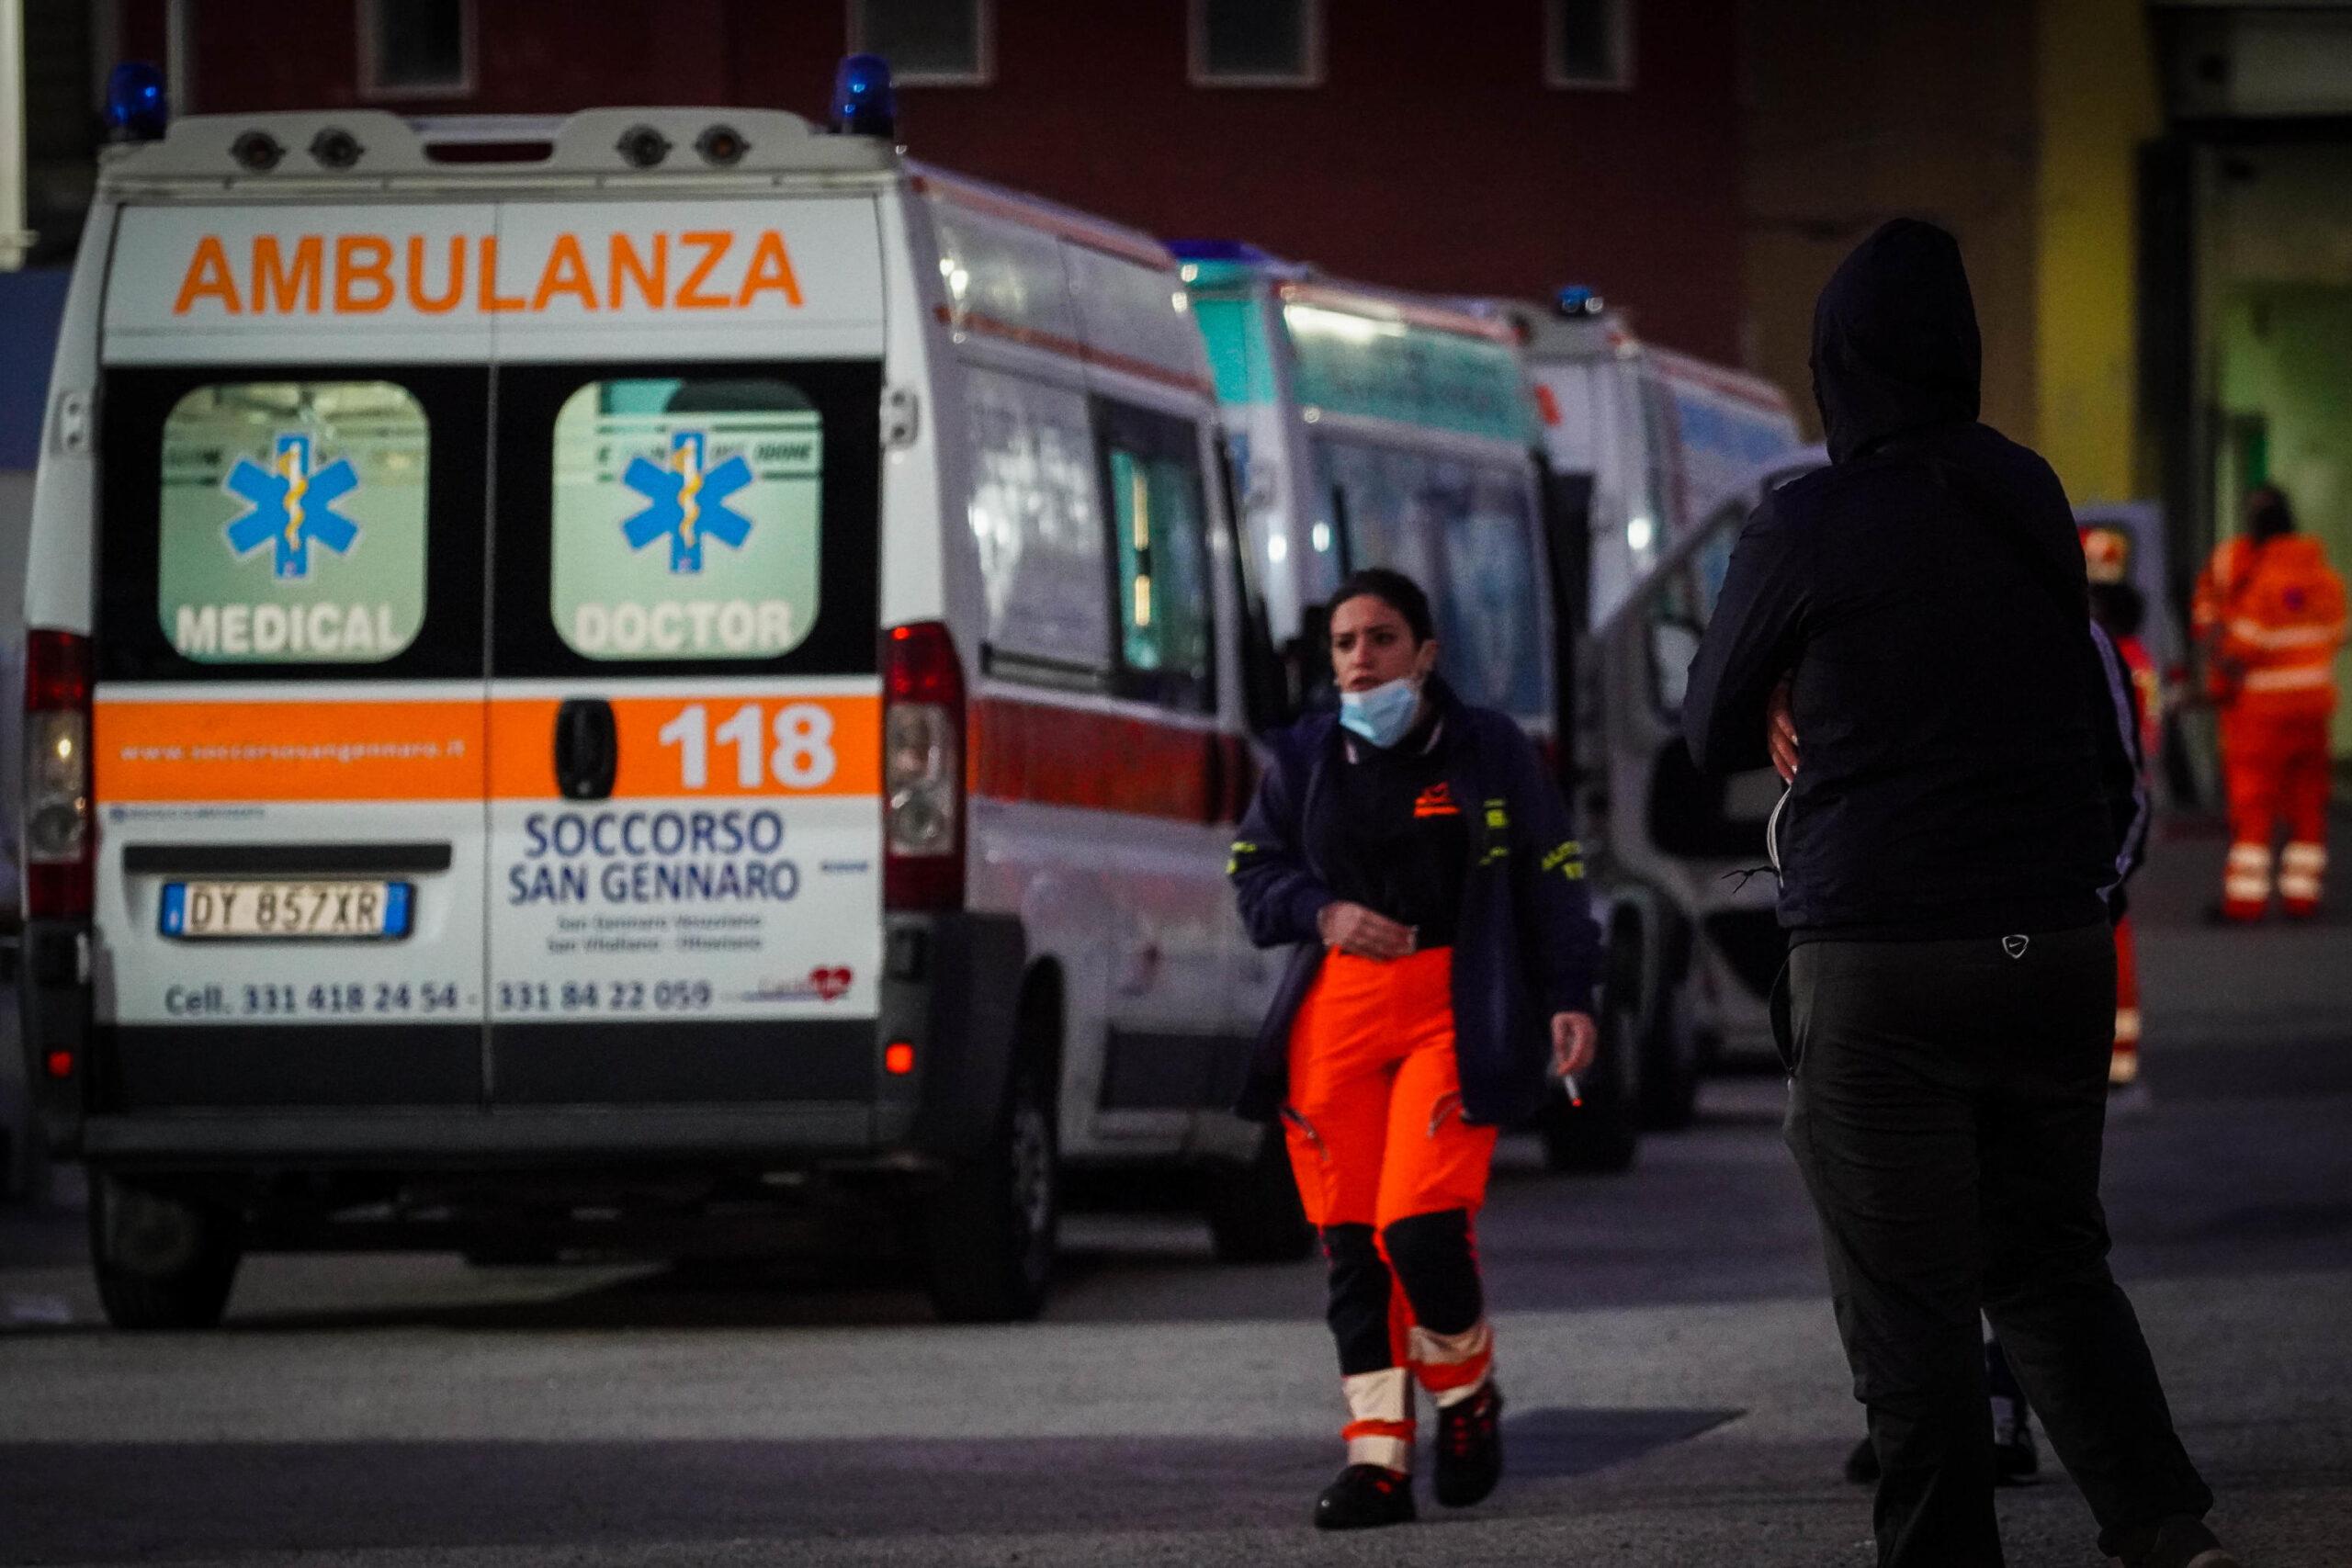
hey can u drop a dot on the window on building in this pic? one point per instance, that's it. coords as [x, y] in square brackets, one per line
[1588, 43]
[423, 47]
[927, 42]
[1261, 43]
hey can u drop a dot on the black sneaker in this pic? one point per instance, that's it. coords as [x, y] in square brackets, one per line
[1470, 1447]
[2181, 1542]
[1861, 1465]
[2017, 1462]
[1365, 1497]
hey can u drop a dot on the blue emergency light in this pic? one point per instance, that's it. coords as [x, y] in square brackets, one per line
[1217, 250]
[1576, 300]
[863, 103]
[136, 111]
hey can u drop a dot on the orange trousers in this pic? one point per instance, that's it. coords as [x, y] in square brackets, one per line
[1392, 1177]
[2275, 768]
[2123, 1066]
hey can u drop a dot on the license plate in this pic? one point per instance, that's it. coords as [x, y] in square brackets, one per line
[288, 911]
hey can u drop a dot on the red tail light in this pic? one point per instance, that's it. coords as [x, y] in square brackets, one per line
[922, 769]
[60, 831]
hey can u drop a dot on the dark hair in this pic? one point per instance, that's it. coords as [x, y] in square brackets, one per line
[1394, 588]
[2267, 514]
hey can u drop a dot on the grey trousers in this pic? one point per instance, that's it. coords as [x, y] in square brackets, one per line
[1947, 1104]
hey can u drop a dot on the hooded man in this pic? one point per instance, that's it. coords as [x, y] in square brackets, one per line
[1917, 612]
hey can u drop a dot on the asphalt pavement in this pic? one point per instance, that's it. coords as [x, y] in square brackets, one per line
[1676, 1392]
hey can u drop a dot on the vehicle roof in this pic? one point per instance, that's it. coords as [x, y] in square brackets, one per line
[1301, 282]
[581, 149]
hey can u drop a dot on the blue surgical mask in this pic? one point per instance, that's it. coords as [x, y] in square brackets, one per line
[1383, 714]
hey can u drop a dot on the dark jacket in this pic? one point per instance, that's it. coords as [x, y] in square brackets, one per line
[1956, 735]
[1525, 947]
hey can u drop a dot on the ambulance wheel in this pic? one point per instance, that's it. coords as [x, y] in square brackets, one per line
[990, 1224]
[1603, 1134]
[163, 1260]
[1673, 1058]
[1253, 1209]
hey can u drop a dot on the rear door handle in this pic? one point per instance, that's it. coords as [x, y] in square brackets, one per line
[587, 748]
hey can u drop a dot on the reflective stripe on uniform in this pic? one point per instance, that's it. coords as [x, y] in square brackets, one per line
[1380, 1426]
[2127, 1026]
[1452, 1367]
[2301, 678]
[2247, 881]
[2260, 635]
[2299, 870]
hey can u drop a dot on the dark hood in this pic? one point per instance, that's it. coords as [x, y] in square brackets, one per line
[1895, 345]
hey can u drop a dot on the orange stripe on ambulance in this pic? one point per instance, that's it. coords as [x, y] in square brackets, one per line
[357, 275]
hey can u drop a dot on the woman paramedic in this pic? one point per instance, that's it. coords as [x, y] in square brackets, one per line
[1415, 855]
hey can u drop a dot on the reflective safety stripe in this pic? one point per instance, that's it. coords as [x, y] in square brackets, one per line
[2250, 857]
[1373, 1398]
[2260, 635]
[2299, 679]
[1388, 1453]
[2238, 890]
[2300, 857]
[2123, 1068]
[2127, 1026]
[1452, 1367]
[2299, 889]
[1380, 1427]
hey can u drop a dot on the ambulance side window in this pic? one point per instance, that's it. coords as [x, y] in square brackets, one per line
[686, 518]
[1033, 511]
[1157, 515]
[291, 522]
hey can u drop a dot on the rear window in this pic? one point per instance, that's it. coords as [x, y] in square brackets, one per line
[687, 518]
[291, 522]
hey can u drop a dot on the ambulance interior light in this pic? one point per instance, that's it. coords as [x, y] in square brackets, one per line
[136, 108]
[864, 104]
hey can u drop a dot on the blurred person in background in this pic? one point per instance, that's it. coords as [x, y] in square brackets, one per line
[1945, 851]
[2119, 611]
[1416, 857]
[2268, 614]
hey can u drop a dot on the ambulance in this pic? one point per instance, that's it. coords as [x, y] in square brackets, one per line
[1369, 427]
[1657, 458]
[584, 676]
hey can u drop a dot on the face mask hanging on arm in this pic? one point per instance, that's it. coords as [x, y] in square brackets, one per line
[1383, 714]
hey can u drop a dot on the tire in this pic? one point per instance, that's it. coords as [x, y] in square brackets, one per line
[1601, 1134]
[989, 1227]
[1253, 1209]
[164, 1261]
[1673, 1059]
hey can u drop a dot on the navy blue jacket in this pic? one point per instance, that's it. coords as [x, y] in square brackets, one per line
[1526, 946]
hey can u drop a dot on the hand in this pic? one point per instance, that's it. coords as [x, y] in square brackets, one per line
[1353, 929]
[1573, 1039]
[1781, 732]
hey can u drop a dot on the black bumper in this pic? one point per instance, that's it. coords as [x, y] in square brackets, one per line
[358, 1097]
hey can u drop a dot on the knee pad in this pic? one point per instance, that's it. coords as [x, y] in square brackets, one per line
[1358, 1310]
[1432, 1256]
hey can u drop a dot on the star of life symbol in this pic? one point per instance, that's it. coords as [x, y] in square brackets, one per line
[291, 506]
[685, 503]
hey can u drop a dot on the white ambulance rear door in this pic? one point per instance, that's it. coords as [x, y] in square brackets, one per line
[685, 863]
[290, 702]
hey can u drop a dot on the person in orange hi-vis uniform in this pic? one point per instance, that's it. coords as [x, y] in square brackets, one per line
[2120, 610]
[2269, 613]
